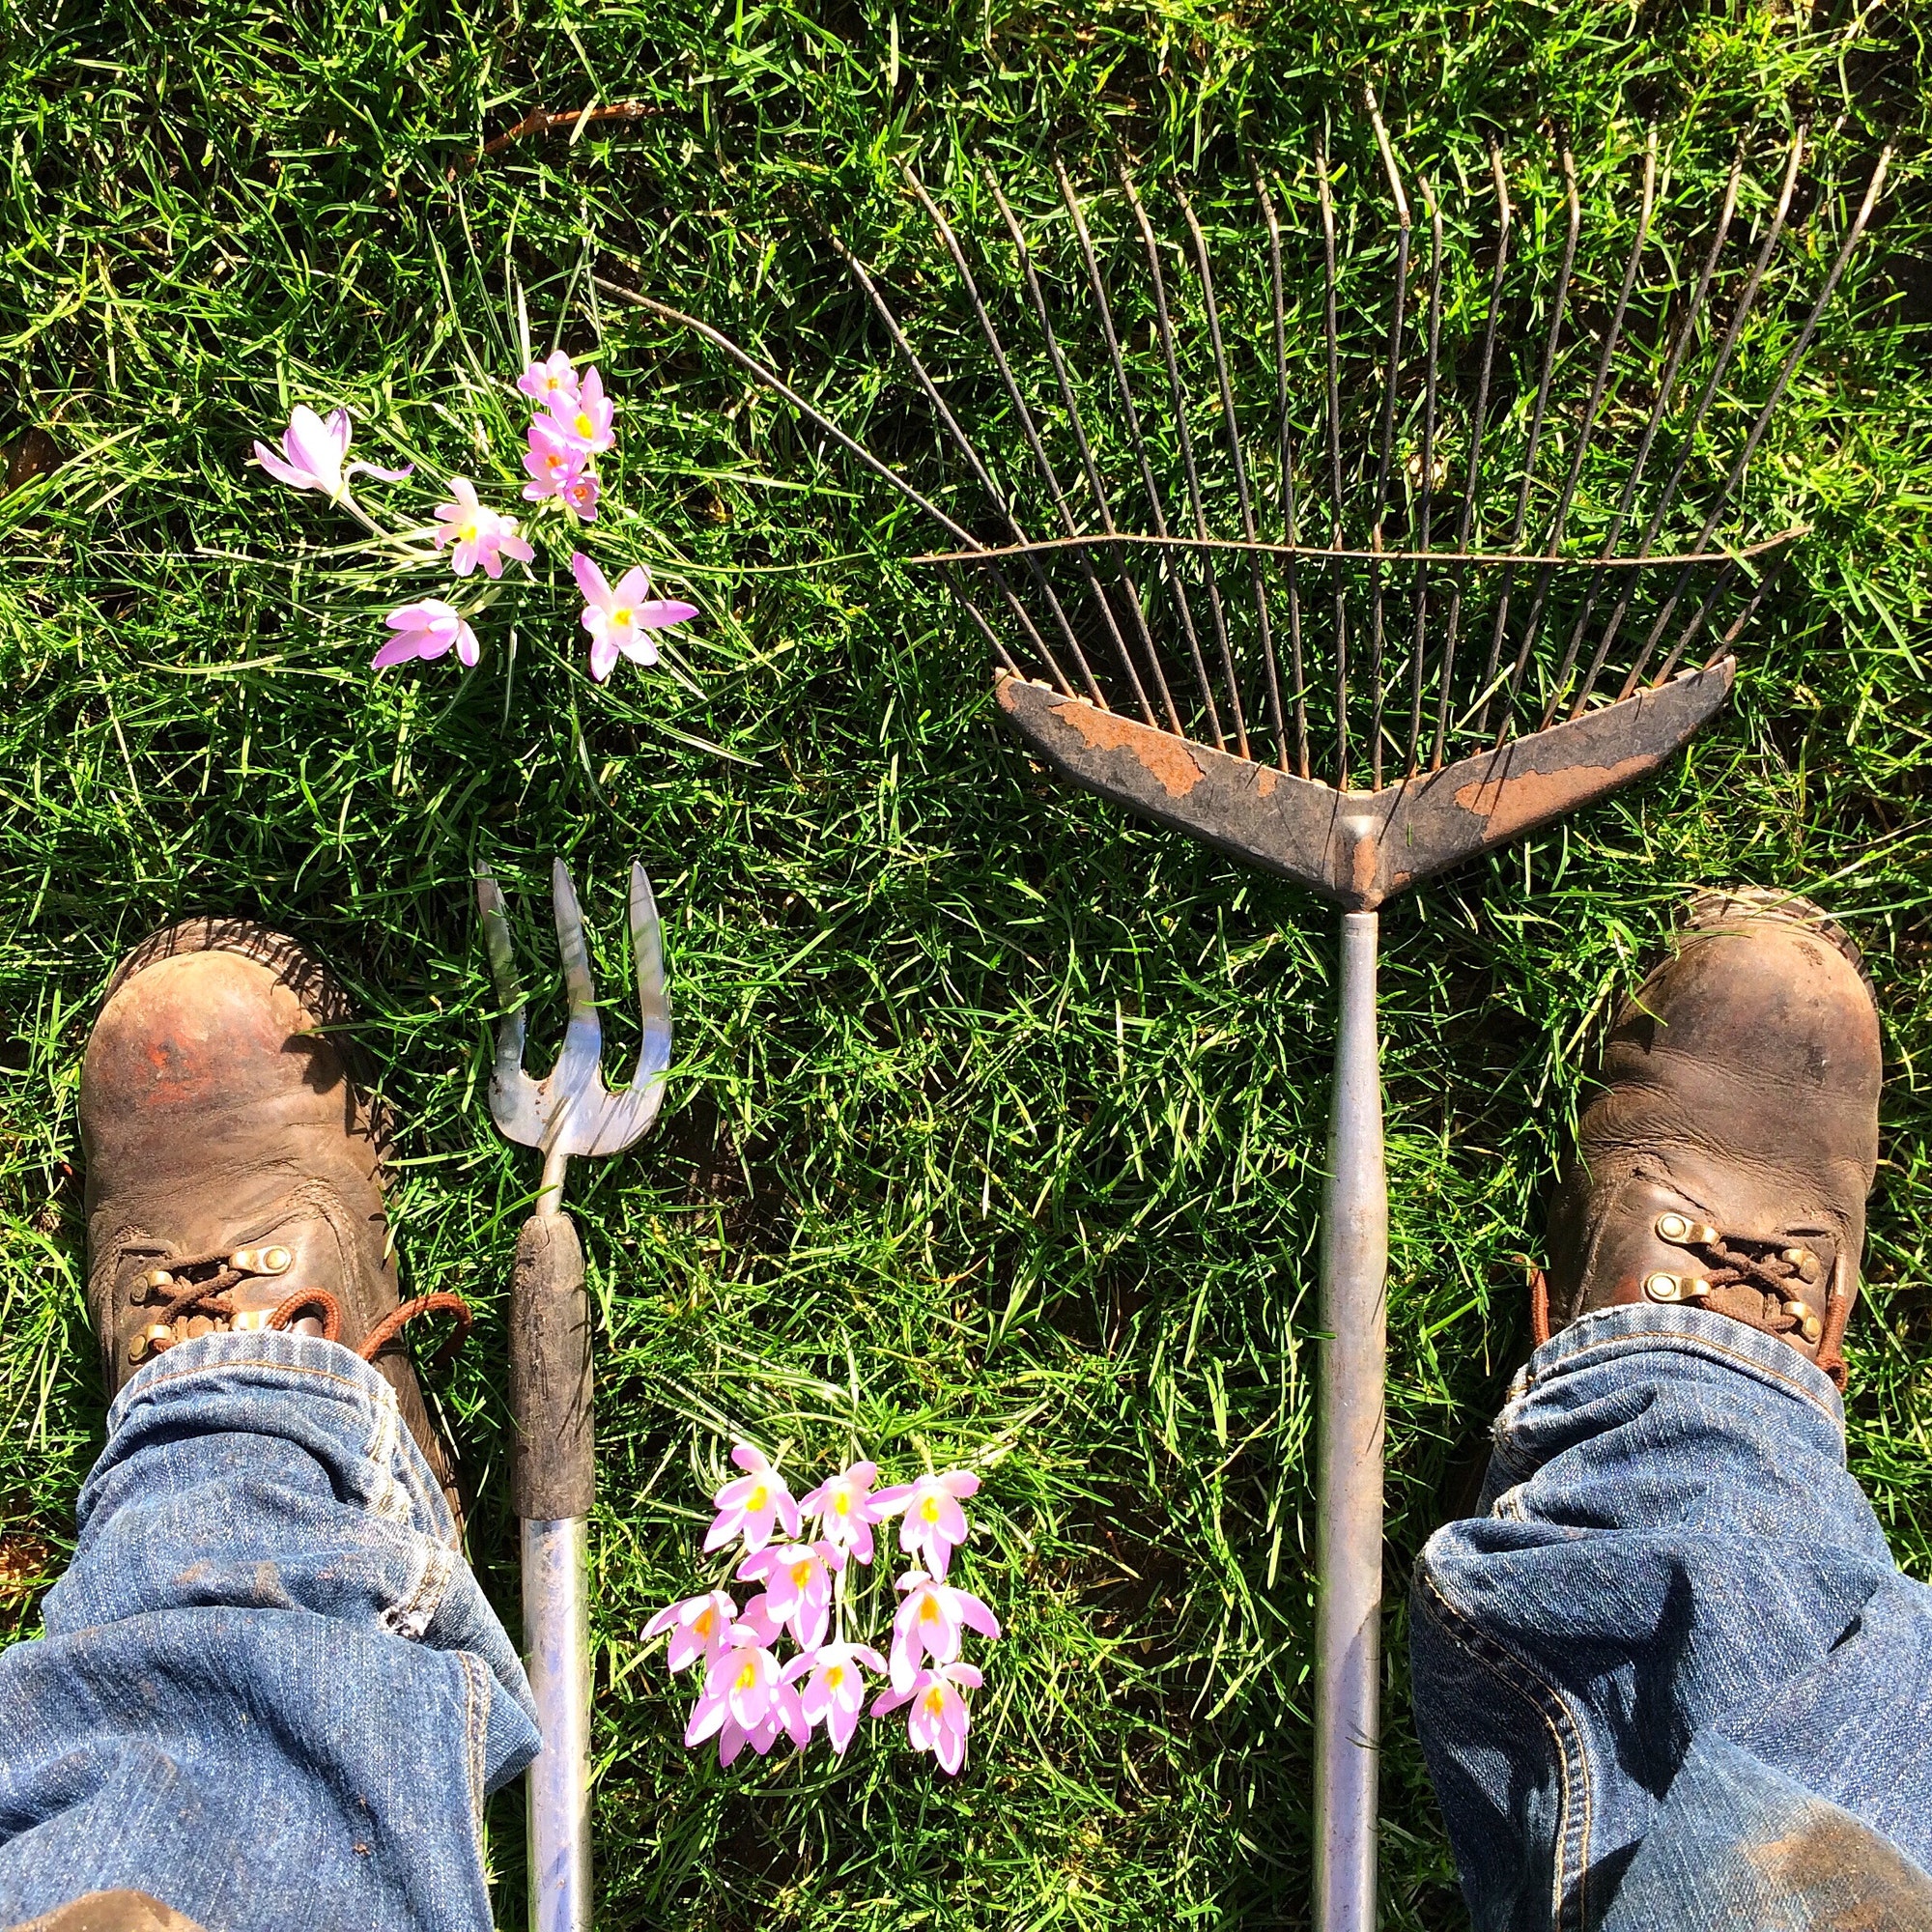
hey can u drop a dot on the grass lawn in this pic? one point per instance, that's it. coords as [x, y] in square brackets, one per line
[995, 1135]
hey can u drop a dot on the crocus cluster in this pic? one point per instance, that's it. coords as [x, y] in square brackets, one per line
[806, 1555]
[573, 423]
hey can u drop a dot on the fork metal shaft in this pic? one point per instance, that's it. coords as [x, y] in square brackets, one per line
[556, 1554]
[1350, 1429]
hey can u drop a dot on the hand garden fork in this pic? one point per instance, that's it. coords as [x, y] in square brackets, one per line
[553, 1471]
[1242, 620]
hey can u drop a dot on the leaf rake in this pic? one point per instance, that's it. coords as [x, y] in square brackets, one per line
[1202, 543]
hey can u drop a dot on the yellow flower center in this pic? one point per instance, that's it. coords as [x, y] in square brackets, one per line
[841, 1503]
[467, 532]
[623, 616]
[748, 1676]
[835, 1675]
[758, 1497]
[928, 1612]
[935, 1700]
[705, 1619]
[929, 1509]
[801, 1573]
[584, 426]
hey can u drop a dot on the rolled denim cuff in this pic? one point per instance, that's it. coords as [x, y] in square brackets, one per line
[345, 1415]
[1629, 1328]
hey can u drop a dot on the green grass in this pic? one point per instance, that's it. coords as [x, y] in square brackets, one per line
[996, 1130]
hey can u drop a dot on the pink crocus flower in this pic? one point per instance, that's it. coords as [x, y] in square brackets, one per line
[931, 1522]
[425, 629]
[579, 495]
[939, 1718]
[846, 1508]
[479, 533]
[929, 1622]
[834, 1687]
[586, 417]
[744, 1686]
[756, 1617]
[798, 1587]
[749, 1505]
[552, 462]
[621, 618]
[700, 1627]
[550, 381]
[312, 453]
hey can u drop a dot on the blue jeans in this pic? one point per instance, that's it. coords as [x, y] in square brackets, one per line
[270, 1693]
[1672, 1677]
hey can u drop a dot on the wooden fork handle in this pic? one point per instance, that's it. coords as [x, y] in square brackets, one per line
[554, 1466]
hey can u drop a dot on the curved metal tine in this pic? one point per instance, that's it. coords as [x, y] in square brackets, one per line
[1666, 384]
[1613, 336]
[1465, 521]
[1164, 324]
[1105, 312]
[965, 446]
[626, 1115]
[514, 1097]
[1687, 441]
[575, 1083]
[1385, 440]
[1334, 458]
[1536, 422]
[1772, 401]
[1435, 331]
[1129, 589]
[1284, 456]
[1231, 423]
[1030, 433]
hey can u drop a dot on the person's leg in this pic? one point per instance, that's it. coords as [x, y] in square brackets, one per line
[270, 1692]
[1676, 1630]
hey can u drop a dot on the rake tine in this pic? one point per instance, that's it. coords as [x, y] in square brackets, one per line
[1285, 457]
[1536, 422]
[780, 387]
[1386, 440]
[1128, 588]
[1030, 432]
[1334, 459]
[978, 617]
[1723, 648]
[1611, 337]
[1429, 202]
[964, 445]
[1684, 450]
[1693, 311]
[1694, 627]
[1465, 521]
[1778, 388]
[1227, 389]
[1105, 309]
[1165, 324]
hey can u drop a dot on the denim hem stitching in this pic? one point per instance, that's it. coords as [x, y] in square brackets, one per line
[1572, 1847]
[475, 1729]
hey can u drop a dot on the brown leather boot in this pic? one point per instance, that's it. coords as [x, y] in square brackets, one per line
[1726, 1163]
[234, 1171]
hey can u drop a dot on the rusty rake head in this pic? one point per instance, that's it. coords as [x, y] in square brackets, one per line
[571, 1110]
[1196, 490]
